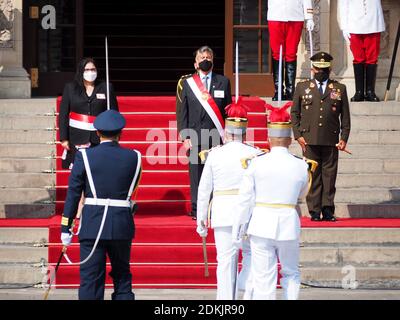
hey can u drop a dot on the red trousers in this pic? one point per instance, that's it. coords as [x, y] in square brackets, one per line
[365, 47]
[286, 34]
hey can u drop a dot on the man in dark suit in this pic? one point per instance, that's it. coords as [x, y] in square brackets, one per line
[108, 174]
[321, 125]
[201, 114]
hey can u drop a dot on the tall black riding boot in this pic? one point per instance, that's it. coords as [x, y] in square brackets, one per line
[359, 77]
[290, 79]
[370, 82]
[275, 73]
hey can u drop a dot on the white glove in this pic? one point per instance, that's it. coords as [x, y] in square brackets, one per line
[66, 238]
[310, 24]
[202, 231]
[346, 36]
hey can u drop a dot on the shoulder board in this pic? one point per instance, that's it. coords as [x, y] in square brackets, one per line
[179, 86]
[312, 164]
[246, 161]
[184, 77]
[204, 153]
[305, 80]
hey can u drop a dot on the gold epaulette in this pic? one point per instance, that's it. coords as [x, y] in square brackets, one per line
[246, 161]
[204, 153]
[179, 86]
[312, 164]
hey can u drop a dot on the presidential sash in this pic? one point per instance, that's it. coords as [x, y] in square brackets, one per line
[207, 102]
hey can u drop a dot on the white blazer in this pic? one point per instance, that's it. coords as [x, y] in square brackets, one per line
[222, 171]
[361, 16]
[275, 178]
[289, 10]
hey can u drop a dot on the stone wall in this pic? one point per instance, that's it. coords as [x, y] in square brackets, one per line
[14, 80]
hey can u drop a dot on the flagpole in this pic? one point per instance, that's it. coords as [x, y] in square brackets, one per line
[107, 78]
[237, 73]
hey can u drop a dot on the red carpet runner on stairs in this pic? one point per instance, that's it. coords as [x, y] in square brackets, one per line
[167, 251]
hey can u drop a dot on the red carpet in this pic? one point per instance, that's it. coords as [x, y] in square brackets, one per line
[166, 251]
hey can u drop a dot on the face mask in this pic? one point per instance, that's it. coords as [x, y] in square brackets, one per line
[90, 76]
[205, 65]
[322, 76]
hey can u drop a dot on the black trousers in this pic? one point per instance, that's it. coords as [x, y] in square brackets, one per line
[195, 171]
[323, 188]
[93, 272]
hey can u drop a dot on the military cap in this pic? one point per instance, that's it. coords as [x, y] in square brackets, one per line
[109, 121]
[321, 60]
[279, 123]
[236, 121]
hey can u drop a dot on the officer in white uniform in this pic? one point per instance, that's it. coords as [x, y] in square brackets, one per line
[222, 176]
[272, 184]
[362, 23]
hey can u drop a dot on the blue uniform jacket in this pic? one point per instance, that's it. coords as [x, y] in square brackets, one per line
[113, 169]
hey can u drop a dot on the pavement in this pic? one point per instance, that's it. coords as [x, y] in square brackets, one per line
[203, 294]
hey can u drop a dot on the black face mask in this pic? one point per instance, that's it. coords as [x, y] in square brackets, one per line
[322, 76]
[205, 65]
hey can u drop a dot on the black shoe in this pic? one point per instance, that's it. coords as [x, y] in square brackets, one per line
[329, 218]
[370, 79]
[194, 218]
[359, 77]
[315, 216]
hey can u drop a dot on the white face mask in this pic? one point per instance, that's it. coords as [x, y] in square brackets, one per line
[90, 76]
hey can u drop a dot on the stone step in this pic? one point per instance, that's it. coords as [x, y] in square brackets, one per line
[26, 180]
[27, 106]
[26, 165]
[361, 210]
[25, 122]
[373, 109]
[22, 254]
[350, 236]
[366, 277]
[27, 136]
[26, 195]
[23, 235]
[27, 210]
[385, 122]
[366, 166]
[27, 150]
[363, 180]
[364, 256]
[374, 137]
[366, 195]
[22, 273]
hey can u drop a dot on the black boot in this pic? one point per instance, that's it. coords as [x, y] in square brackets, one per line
[370, 83]
[328, 213]
[359, 76]
[275, 73]
[290, 79]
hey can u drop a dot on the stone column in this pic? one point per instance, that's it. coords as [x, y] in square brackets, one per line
[14, 80]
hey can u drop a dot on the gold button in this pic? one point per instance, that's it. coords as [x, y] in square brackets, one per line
[320, 117]
[320, 124]
[321, 109]
[322, 101]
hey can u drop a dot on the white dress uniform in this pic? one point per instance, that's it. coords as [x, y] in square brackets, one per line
[289, 10]
[361, 16]
[223, 173]
[273, 183]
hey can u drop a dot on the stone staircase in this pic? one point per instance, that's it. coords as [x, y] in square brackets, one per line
[27, 164]
[368, 185]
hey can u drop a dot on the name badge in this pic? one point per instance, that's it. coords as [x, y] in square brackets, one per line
[100, 96]
[219, 94]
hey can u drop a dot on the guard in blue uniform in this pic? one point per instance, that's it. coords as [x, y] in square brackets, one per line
[108, 174]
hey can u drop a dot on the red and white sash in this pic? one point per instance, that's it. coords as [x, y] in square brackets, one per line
[207, 102]
[81, 121]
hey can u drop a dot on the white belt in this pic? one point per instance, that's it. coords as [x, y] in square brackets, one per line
[110, 202]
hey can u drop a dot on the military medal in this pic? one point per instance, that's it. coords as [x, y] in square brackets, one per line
[330, 86]
[312, 85]
[306, 107]
[308, 90]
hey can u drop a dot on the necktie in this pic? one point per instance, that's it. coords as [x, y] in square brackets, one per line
[321, 90]
[205, 82]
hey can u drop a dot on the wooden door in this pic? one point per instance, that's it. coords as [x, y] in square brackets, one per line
[246, 22]
[52, 31]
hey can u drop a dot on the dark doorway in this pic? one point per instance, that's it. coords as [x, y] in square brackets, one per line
[151, 43]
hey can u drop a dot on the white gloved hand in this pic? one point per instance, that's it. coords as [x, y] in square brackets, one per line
[346, 36]
[202, 231]
[310, 24]
[66, 238]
